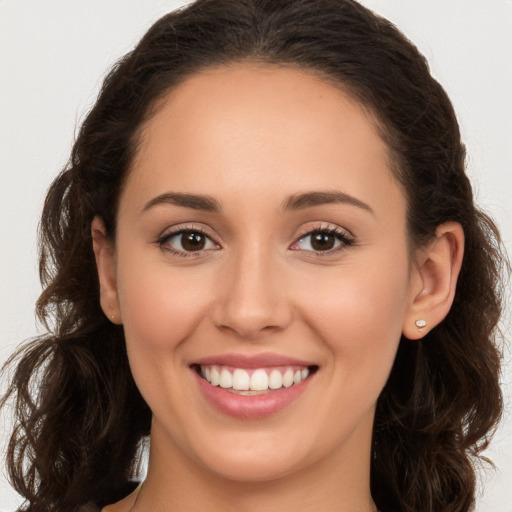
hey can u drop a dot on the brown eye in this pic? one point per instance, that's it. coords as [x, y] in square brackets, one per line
[326, 241]
[322, 241]
[187, 241]
[193, 241]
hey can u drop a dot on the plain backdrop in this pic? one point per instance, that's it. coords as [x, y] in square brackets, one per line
[53, 55]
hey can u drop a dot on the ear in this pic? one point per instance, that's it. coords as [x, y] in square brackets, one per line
[434, 280]
[106, 265]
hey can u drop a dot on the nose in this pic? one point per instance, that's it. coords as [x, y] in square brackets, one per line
[252, 295]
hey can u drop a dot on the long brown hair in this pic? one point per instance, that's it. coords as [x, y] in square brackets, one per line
[79, 415]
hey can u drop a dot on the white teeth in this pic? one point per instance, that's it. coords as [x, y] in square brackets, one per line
[259, 380]
[246, 381]
[215, 375]
[275, 380]
[288, 378]
[241, 379]
[226, 379]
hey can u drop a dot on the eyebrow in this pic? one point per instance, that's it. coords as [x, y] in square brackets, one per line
[194, 201]
[294, 202]
[310, 199]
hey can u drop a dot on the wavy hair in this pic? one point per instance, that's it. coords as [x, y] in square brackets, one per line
[79, 415]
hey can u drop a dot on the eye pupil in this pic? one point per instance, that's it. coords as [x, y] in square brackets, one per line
[193, 241]
[321, 241]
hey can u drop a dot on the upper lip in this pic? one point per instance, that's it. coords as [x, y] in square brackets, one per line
[264, 360]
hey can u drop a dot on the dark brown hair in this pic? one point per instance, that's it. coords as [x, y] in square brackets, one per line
[79, 413]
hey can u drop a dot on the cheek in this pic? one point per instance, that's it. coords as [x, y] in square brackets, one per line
[359, 324]
[160, 306]
[358, 314]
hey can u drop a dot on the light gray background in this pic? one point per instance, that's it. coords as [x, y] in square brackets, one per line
[53, 55]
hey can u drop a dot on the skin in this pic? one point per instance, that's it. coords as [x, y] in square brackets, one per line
[252, 137]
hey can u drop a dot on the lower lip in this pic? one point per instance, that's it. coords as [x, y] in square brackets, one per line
[250, 407]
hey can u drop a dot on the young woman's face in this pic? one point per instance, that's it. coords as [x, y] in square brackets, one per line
[262, 242]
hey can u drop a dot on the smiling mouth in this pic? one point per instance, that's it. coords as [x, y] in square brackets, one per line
[254, 381]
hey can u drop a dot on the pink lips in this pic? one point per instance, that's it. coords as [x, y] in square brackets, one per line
[264, 360]
[255, 406]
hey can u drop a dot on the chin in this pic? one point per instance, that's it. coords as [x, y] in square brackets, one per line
[256, 456]
[253, 469]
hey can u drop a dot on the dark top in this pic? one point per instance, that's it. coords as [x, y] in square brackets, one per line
[94, 507]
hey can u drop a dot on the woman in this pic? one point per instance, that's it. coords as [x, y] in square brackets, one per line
[267, 257]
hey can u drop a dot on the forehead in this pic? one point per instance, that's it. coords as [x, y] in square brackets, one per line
[266, 127]
[266, 96]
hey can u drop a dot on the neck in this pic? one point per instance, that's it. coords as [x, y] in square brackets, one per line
[176, 482]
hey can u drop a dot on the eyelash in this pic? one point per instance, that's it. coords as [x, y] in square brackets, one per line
[340, 235]
[163, 241]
